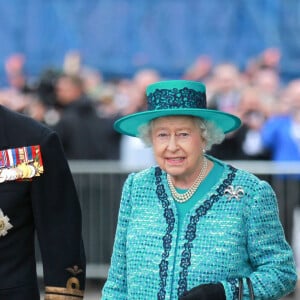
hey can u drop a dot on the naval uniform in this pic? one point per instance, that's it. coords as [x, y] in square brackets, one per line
[37, 197]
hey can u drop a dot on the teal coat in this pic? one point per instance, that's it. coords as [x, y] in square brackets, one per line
[232, 232]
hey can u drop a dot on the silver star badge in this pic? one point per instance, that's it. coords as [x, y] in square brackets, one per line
[232, 192]
[4, 224]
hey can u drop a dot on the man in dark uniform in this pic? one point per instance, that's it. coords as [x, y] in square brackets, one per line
[37, 194]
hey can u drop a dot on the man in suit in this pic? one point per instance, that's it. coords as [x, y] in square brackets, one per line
[37, 195]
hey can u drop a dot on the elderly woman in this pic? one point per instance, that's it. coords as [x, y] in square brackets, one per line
[194, 227]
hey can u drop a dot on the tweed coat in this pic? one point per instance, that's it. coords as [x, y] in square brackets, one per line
[232, 232]
[46, 205]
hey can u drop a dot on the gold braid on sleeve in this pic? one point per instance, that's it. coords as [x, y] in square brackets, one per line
[72, 290]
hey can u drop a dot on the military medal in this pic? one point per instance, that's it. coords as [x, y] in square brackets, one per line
[21, 163]
[4, 224]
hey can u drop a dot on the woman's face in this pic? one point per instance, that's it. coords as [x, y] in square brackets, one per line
[178, 146]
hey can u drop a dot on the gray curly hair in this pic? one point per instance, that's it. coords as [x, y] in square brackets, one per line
[209, 132]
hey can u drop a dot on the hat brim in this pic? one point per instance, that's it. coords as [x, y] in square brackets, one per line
[130, 124]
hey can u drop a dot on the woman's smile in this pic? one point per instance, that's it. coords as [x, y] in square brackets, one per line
[175, 160]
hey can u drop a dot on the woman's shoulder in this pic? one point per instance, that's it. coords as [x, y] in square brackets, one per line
[147, 174]
[251, 182]
[237, 172]
[141, 180]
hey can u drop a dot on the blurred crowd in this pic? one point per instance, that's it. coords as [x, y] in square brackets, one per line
[81, 105]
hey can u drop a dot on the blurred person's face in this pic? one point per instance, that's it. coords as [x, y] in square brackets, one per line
[293, 99]
[67, 91]
[17, 80]
[295, 110]
[271, 57]
[250, 100]
[254, 119]
[141, 80]
[284, 104]
[267, 81]
[37, 110]
[226, 78]
[92, 81]
[126, 98]
[251, 109]
[145, 78]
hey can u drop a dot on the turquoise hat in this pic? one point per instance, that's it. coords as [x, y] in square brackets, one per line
[176, 98]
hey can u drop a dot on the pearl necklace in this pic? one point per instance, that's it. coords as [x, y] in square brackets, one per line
[190, 192]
